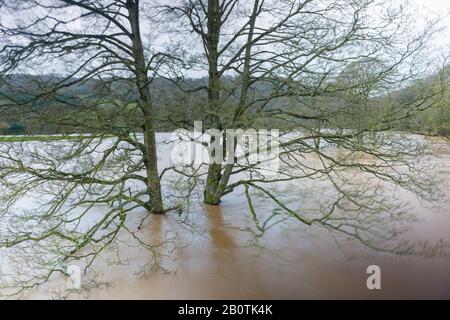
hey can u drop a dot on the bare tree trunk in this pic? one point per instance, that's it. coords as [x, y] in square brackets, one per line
[217, 182]
[151, 160]
[212, 39]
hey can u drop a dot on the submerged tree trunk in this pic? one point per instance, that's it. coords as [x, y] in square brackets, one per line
[212, 42]
[145, 103]
[153, 182]
[217, 180]
[213, 179]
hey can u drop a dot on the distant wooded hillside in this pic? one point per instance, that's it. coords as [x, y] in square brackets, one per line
[25, 100]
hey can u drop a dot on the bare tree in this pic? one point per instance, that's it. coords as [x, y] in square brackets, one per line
[101, 98]
[109, 50]
[326, 73]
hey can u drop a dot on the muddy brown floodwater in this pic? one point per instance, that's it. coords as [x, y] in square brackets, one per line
[217, 260]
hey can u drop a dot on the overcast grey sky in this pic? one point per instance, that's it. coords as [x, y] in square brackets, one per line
[425, 8]
[433, 8]
[440, 7]
[436, 5]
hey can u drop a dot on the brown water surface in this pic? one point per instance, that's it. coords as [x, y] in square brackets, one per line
[215, 258]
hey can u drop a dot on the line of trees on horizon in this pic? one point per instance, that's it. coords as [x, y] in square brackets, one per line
[433, 122]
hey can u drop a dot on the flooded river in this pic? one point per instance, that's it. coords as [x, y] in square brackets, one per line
[211, 254]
